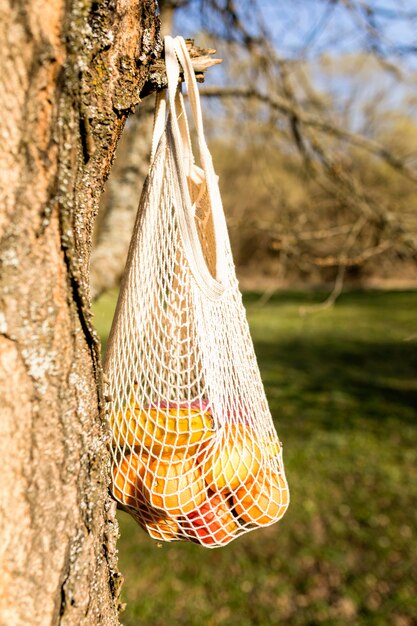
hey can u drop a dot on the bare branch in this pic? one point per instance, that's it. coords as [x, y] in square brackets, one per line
[290, 109]
[201, 59]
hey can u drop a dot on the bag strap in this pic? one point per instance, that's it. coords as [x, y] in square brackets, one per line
[219, 219]
[185, 132]
[181, 53]
[176, 53]
[160, 123]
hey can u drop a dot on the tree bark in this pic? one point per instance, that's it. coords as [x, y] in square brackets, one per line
[118, 207]
[72, 71]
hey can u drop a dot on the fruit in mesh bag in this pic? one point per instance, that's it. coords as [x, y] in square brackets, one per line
[174, 485]
[163, 430]
[128, 481]
[212, 523]
[262, 501]
[271, 445]
[235, 460]
[163, 529]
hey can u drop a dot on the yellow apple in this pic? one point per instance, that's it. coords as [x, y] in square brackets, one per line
[234, 461]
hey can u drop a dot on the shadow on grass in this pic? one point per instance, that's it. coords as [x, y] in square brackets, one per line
[357, 380]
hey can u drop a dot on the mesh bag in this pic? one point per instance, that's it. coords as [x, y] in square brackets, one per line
[195, 455]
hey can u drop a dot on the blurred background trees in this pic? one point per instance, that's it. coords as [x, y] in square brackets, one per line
[311, 119]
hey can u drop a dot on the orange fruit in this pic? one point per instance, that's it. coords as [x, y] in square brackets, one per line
[128, 480]
[157, 526]
[262, 502]
[163, 529]
[123, 426]
[162, 431]
[174, 485]
[236, 460]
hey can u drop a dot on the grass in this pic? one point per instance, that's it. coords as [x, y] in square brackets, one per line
[342, 387]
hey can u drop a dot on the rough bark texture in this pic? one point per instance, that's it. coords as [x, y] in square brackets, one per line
[71, 73]
[119, 203]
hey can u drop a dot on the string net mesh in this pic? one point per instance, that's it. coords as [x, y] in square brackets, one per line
[195, 455]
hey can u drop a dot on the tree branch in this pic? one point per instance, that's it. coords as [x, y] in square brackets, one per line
[201, 59]
[291, 110]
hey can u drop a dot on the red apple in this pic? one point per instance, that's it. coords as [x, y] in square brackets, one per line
[212, 523]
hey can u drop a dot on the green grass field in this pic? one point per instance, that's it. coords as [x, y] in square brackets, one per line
[342, 386]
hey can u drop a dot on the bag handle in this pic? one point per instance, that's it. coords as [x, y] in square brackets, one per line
[176, 53]
[159, 121]
[159, 124]
[177, 48]
[220, 225]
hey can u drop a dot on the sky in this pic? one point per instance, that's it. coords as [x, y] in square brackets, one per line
[313, 29]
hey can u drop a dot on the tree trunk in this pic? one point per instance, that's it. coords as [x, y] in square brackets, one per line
[119, 204]
[72, 71]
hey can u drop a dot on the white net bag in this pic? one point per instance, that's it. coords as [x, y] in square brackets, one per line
[195, 455]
